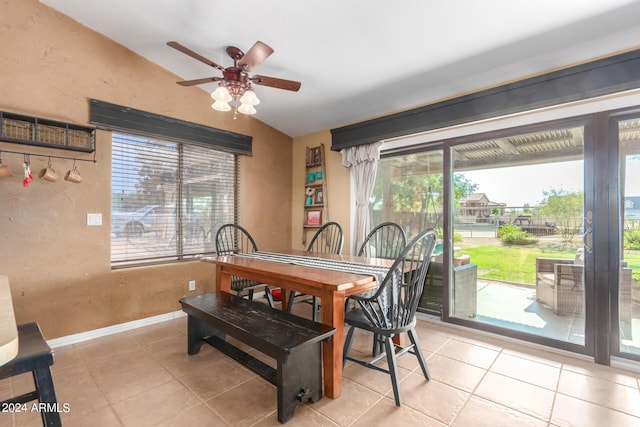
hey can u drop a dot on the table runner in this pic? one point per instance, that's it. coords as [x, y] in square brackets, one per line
[379, 272]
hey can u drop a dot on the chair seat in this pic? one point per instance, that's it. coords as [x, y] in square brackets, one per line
[357, 318]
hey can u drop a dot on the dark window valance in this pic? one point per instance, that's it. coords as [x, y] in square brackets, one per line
[602, 77]
[116, 117]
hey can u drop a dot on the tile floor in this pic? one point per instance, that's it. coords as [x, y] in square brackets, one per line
[144, 377]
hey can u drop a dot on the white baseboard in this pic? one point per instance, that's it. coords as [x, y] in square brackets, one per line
[109, 330]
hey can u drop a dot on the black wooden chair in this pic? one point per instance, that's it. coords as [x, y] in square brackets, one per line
[234, 239]
[327, 240]
[386, 240]
[392, 309]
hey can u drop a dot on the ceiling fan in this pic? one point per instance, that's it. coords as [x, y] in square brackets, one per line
[236, 85]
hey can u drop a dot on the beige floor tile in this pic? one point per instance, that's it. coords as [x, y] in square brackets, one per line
[431, 339]
[157, 332]
[118, 362]
[534, 354]
[28, 418]
[247, 403]
[472, 354]
[370, 378]
[608, 373]
[600, 392]
[483, 413]
[155, 406]
[103, 417]
[477, 380]
[484, 342]
[354, 401]
[64, 357]
[386, 413]
[437, 400]
[6, 419]
[199, 415]
[109, 347]
[212, 377]
[132, 379]
[304, 416]
[76, 387]
[527, 370]
[524, 397]
[569, 411]
[455, 373]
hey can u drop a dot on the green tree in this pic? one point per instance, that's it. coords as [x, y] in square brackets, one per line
[418, 192]
[566, 208]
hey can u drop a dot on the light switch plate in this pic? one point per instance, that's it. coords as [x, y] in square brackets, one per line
[94, 219]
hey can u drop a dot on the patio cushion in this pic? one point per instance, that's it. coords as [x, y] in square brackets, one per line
[546, 278]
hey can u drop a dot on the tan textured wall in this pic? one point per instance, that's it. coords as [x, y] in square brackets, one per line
[59, 267]
[338, 188]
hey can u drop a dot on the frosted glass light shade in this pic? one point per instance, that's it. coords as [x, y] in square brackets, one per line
[249, 97]
[247, 109]
[221, 106]
[221, 94]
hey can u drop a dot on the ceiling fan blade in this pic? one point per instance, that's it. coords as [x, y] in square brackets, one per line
[194, 55]
[199, 81]
[277, 83]
[255, 56]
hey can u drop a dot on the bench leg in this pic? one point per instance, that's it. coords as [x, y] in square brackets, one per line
[299, 379]
[197, 331]
[47, 396]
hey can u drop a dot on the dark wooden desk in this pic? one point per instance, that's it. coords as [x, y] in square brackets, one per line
[331, 286]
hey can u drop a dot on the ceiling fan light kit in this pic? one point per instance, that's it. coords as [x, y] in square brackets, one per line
[235, 87]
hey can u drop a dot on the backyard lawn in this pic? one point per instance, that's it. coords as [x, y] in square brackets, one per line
[517, 264]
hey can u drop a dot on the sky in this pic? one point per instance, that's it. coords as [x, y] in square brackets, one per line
[517, 186]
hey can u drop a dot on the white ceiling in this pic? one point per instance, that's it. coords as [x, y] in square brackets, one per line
[358, 59]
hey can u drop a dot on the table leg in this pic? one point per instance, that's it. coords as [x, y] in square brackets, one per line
[284, 298]
[223, 279]
[332, 309]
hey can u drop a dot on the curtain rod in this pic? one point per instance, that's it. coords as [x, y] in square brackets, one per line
[52, 157]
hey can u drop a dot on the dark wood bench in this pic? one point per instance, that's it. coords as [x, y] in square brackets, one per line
[294, 342]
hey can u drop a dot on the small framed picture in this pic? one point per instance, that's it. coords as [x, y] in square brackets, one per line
[319, 198]
[316, 156]
[314, 217]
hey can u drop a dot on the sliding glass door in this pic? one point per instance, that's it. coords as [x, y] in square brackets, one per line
[518, 255]
[627, 314]
[539, 230]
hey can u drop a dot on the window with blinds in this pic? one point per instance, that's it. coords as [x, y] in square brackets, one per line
[168, 199]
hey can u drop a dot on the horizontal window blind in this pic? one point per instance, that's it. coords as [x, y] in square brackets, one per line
[168, 199]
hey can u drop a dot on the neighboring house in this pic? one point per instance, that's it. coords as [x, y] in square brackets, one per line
[632, 207]
[478, 205]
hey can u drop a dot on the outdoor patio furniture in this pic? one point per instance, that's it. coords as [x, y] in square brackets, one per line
[465, 289]
[560, 286]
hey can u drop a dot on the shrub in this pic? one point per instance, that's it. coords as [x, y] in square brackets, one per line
[632, 239]
[457, 237]
[511, 234]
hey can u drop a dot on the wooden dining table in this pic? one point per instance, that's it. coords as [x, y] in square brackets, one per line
[332, 287]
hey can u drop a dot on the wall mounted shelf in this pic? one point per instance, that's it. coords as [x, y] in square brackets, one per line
[26, 130]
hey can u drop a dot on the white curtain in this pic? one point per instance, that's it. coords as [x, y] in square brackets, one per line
[363, 162]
